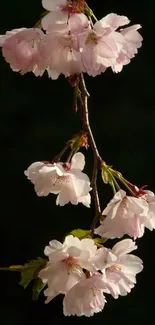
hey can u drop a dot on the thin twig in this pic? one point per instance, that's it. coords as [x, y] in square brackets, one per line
[97, 158]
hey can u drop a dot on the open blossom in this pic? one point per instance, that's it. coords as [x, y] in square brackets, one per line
[85, 298]
[124, 215]
[84, 249]
[66, 263]
[150, 198]
[118, 266]
[68, 182]
[132, 42]
[104, 46]
[59, 48]
[20, 50]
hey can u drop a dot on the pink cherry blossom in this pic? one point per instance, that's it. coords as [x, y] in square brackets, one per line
[150, 198]
[98, 49]
[60, 274]
[60, 50]
[69, 183]
[124, 215]
[132, 42]
[61, 53]
[85, 298]
[65, 265]
[106, 46]
[84, 249]
[20, 50]
[118, 266]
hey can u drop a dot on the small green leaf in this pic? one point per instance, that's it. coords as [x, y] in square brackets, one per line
[38, 286]
[105, 176]
[31, 270]
[80, 233]
[99, 241]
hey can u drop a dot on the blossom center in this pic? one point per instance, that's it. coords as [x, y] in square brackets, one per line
[70, 263]
[113, 268]
[92, 39]
[59, 180]
[68, 42]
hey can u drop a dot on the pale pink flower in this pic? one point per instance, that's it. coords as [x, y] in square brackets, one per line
[20, 50]
[68, 182]
[60, 275]
[132, 42]
[118, 266]
[150, 198]
[83, 249]
[66, 263]
[85, 298]
[105, 46]
[98, 49]
[124, 215]
[60, 50]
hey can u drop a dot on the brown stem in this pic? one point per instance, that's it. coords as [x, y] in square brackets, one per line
[97, 158]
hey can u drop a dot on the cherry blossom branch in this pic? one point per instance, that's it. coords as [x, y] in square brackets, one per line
[97, 157]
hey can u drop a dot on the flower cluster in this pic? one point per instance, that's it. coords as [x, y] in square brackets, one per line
[69, 43]
[83, 273]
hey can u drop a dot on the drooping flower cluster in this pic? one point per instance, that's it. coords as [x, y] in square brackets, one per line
[70, 43]
[128, 215]
[66, 180]
[83, 273]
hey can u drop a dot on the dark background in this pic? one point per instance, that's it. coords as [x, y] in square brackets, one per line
[36, 120]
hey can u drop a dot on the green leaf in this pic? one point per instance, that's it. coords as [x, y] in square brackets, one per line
[38, 286]
[99, 241]
[31, 270]
[80, 233]
[105, 176]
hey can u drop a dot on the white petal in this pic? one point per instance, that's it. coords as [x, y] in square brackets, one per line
[53, 74]
[85, 200]
[78, 161]
[54, 245]
[115, 21]
[118, 197]
[131, 264]
[123, 247]
[67, 195]
[104, 258]
[81, 184]
[33, 169]
[72, 241]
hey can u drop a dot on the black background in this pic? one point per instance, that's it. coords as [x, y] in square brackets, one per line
[36, 120]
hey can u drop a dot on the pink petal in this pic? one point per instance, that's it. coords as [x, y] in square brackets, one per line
[58, 18]
[124, 247]
[53, 5]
